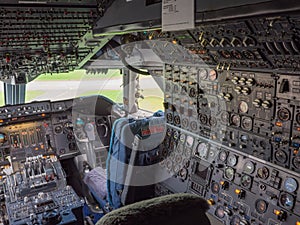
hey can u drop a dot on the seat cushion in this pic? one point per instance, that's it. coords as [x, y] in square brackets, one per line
[96, 181]
[176, 209]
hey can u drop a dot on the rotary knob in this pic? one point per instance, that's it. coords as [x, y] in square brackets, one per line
[250, 82]
[246, 91]
[221, 95]
[257, 103]
[238, 90]
[242, 81]
[228, 97]
[235, 80]
[266, 104]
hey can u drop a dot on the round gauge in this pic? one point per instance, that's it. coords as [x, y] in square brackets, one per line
[243, 107]
[177, 120]
[286, 200]
[261, 206]
[290, 184]
[215, 188]
[263, 173]
[203, 74]
[192, 93]
[213, 75]
[220, 212]
[189, 141]
[202, 150]
[246, 181]
[184, 122]
[249, 167]
[284, 114]
[182, 138]
[225, 117]
[212, 121]
[235, 120]
[281, 156]
[223, 156]
[169, 132]
[232, 160]
[175, 135]
[247, 123]
[296, 162]
[169, 117]
[194, 125]
[229, 173]
[236, 220]
[178, 158]
[298, 118]
[203, 118]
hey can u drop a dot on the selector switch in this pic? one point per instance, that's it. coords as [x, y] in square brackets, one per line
[266, 104]
[257, 103]
[238, 90]
[235, 80]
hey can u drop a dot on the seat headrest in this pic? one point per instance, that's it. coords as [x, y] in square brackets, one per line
[175, 209]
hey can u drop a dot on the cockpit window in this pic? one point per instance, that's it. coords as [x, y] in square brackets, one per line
[151, 95]
[76, 84]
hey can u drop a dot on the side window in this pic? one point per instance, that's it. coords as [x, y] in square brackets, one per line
[151, 95]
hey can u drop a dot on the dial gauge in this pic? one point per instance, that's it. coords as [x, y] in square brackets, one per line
[284, 114]
[243, 107]
[229, 173]
[296, 162]
[286, 200]
[261, 206]
[202, 150]
[281, 156]
[225, 117]
[290, 185]
[203, 74]
[246, 181]
[236, 220]
[249, 167]
[247, 123]
[213, 75]
[232, 160]
[263, 173]
[215, 187]
[189, 141]
[220, 212]
[182, 138]
[223, 156]
[236, 120]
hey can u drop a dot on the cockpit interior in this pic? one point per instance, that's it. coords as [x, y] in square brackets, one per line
[149, 112]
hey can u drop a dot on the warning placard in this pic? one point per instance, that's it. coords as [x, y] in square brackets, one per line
[178, 15]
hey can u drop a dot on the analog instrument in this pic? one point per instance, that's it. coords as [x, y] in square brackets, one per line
[261, 206]
[229, 173]
[263, 173]
[290, 185]
[232, 160]
[249, 167]
[286, 200]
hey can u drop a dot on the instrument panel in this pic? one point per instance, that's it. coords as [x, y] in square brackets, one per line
[233, 118]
